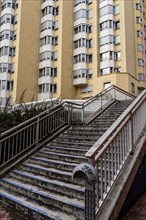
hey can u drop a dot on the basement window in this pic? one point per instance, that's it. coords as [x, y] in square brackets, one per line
[106, 85]
[133, 87]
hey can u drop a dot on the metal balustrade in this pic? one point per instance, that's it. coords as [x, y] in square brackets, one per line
[81, 113]
[110, 152]
[30, 133]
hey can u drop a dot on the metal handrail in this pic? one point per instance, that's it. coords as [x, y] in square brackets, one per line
[120, 122]
[82, 109]
[100, 95]
[112, 87]
[108, 155]
[11, 130]
[30, 133]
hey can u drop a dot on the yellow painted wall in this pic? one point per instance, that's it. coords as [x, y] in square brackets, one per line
[27, 50]
[65, 51]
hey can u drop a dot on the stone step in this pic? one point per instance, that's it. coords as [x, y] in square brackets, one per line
[68, 189]
[43, 185]
[32, 209]
[104, 120]
[67, 150]
[83, 133]
[71, 206]
[87, 128]
[75, 139]
[52, 163]
[49, 172]
[92, 127]
[82, 136]
[79, 145]
[61, 156]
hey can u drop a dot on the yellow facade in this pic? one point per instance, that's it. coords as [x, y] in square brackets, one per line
[71, 49]
[27, 50]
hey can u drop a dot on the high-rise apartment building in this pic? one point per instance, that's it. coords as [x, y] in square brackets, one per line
[71, 48]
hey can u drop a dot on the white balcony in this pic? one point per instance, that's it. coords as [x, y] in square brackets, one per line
[80, 35]
[45, 79]
[47, 32]
[48, 3]
[80, 81]
[80, 21]
[43, 96]
[49, 17]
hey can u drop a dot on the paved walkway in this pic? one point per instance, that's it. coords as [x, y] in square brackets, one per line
[137, 211]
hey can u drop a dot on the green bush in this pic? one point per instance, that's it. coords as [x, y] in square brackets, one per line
[11, 116]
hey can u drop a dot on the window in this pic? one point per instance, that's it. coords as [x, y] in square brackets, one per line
[41, 88]
[10, 85]
[138, 20]
[55, 57]
[55, 88]
[80, 14]
[89, 28]
[90, 14]
[140, 62]
[117, 56]
[90, 58]
[89, 74]
[90, 43]
[109, 39]
[57, 11]
[117, 39]
[141, 76]
[117, 25]
[106, 85]
[108, 9]
[80, 58]
[3, 84]
[116, 9]
[80, 28]
[87, 89]
[56, 25]
[106, 70]
[138, 6]
[56, 41]
[81, 43]
[139, 33]
[6, 50]
[140, 48]
[104, 56]
[117, 69]
[106, 25]
[133, 87]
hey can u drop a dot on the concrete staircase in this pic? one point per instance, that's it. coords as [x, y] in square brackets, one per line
[42, 186]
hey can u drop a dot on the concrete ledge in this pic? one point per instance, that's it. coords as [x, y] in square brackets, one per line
[114, 201]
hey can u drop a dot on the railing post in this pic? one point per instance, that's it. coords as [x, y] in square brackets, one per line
[69, 113]
[114, 93]
[83, 114]
[89, 197]
[90, 174]
[101, 101]
[131, 133]
[37, 130]
[89, 201]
